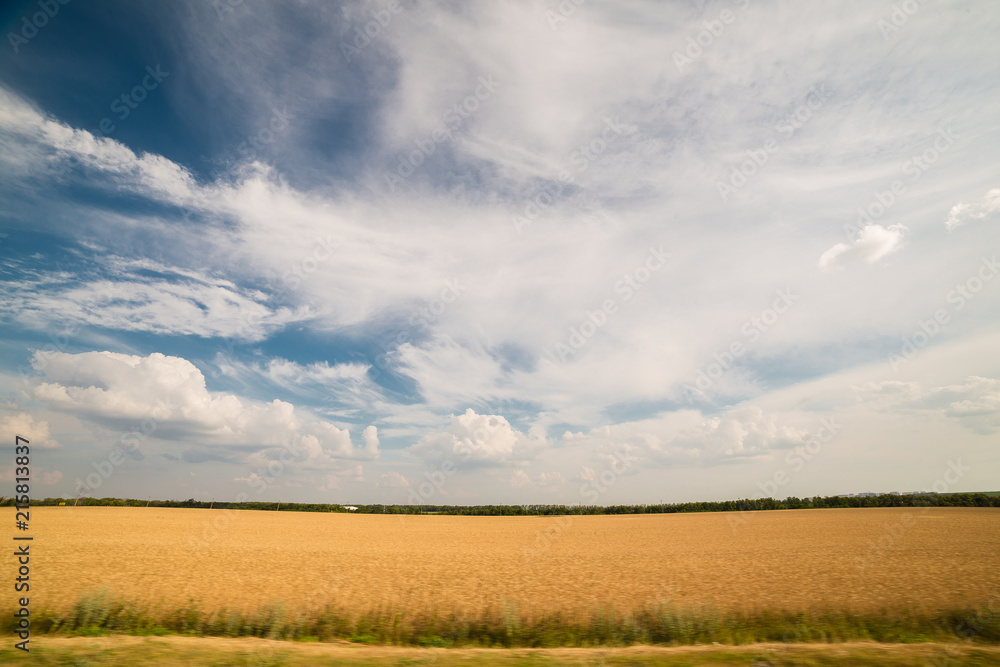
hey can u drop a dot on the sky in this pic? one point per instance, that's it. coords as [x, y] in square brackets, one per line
[500, 252]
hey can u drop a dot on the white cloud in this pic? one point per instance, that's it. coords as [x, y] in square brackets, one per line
[36, 431]
[169, 393]
[872, 244]
[550, 479]
[518, 479]
[329, 441]
[8, 475]
[375, 257]
[185, 303]
[252, 479]
[148, 174]
[961, 213]
[973, 402]
[480, 439]
[689, 436]
[51, 478]
[392, 480]
[346, 384]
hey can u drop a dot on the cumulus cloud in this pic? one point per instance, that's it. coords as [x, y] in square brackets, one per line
[168, 398]
[24, 425]
[887, 394]
[481, 439]
[872, 244]
[688, 435]
[961, 213]
[253, 479]
[392, 480]
[518, 479]
[974, 402]
[51, 478]
[46, 477]
[550, 479]
[325, 441]
[332, 480]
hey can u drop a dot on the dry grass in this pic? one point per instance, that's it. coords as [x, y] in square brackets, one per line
[806, 560]
[263, 653]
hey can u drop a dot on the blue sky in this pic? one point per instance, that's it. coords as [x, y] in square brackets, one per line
[507, 252]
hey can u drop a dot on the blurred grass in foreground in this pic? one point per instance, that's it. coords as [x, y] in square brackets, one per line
[101, 613]
[248, 652]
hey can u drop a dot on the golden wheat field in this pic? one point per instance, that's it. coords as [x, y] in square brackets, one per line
[850, 559]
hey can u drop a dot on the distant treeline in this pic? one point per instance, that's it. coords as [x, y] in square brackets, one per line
[745, 505]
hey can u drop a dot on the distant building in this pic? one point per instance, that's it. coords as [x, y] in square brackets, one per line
[869, 494]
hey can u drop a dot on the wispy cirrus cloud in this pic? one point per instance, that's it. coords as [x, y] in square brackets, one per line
[147, 297]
